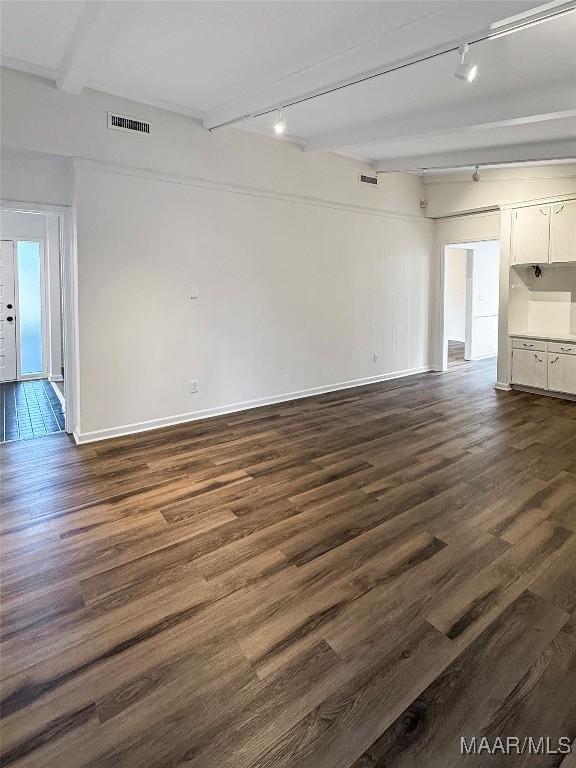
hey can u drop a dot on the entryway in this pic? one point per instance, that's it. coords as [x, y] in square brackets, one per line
[471, 284]
[31, 355]
[29, 409]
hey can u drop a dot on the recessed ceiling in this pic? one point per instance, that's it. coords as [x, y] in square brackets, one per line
[218, 61]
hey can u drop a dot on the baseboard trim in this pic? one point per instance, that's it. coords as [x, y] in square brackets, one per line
[59, 394]
[483, 357]
[144, 426]
[502, 385]
[545, 392]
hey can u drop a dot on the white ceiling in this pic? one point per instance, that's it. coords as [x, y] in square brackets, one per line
[220, 60]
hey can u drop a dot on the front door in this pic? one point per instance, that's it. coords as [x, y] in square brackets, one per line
[7, 312]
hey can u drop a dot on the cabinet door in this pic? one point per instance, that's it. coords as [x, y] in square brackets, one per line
[563, 232]
[529, 368]
[531, 235]
[562, 373]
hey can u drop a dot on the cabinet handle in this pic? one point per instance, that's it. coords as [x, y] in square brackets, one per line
[538, 359]
[559, 209]
[543, 212]
[554, 361]
[527, 345]
[566, 349]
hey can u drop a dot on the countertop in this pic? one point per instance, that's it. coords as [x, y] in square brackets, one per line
[570, 337]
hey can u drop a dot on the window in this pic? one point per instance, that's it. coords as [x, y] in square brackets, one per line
[30, 307]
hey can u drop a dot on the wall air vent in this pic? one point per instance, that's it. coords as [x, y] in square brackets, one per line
[372, 180]
[125, 123]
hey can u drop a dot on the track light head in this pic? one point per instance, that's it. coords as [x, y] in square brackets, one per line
[280, 125]
[465, 71]
[476, 175]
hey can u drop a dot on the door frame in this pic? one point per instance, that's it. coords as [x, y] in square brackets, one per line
[69, 287]
[442, 342]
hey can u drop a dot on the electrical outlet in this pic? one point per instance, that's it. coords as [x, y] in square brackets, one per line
[376, 357]
[194, 386]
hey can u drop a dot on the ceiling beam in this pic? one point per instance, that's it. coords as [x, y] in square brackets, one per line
[468, 158]
[525, 108]
[97, 31]
[425, 35]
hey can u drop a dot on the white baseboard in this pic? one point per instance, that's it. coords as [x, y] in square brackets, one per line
[544, 392]
[487, 356]
[503, 386]
[59, 394]
[181, 418]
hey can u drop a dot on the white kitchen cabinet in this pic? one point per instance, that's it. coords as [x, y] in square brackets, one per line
[563, 232]
[530, 368]
[562, 373]
[531, 234]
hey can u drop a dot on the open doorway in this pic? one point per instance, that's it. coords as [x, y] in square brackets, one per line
[471, 280]
[31, 349]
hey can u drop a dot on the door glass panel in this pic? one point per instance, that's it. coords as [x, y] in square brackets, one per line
[30, 307]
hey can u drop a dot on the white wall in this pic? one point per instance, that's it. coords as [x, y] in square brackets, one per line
[19, 226]
[457, 193]
[291, 297]
[455, 294]
[37, 116]
[302, 274]
[485, 299]
[34, 177]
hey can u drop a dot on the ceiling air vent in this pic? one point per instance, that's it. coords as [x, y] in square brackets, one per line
[372, 180]
[125, 123]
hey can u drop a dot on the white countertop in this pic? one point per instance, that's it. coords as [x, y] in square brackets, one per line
[571, 337]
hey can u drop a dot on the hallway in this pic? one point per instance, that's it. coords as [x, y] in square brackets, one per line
[29, 409]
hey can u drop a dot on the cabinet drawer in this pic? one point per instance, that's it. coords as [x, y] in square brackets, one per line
[534, 344]
[562, 373]
[530, 368]
[562, 348]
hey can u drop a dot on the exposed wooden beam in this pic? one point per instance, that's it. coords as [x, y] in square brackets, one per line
[420, 37]
[468, 158]
[97, 31]
[525, 108]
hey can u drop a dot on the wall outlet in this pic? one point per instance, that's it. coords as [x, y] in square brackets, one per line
[376, 357]
[194, 386]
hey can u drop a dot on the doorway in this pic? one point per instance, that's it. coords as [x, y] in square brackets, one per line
[471, 287]
[23, 319]
[31, 355]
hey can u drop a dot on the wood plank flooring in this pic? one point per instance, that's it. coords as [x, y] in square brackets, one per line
[355, 580]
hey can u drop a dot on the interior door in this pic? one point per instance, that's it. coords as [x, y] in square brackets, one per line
[7, 312]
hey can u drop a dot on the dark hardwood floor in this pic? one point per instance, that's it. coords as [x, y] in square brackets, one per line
[356, 579]
[456, 351]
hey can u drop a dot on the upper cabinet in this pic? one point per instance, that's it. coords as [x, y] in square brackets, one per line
[563, 231]
[544, 234]
[531, 234]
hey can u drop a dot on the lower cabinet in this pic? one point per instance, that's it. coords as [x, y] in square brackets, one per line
[562, 372]
[530, 368]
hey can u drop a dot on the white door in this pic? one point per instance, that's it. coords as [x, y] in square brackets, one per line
[531, 235]
[529, 368]
[562, 373]
[563, 232]
[7, 313]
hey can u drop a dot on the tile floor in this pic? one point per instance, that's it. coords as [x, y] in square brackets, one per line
[29, 409]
